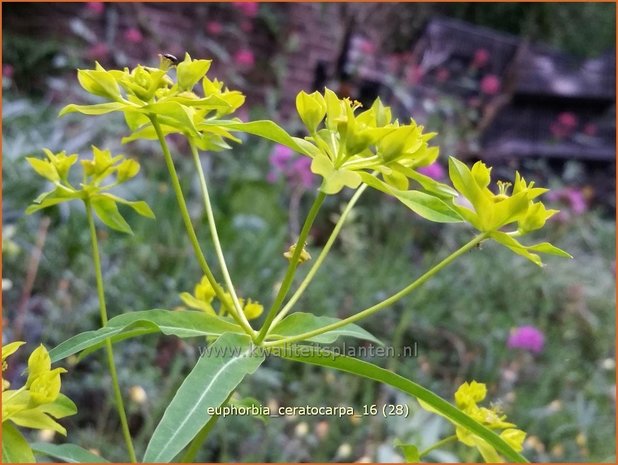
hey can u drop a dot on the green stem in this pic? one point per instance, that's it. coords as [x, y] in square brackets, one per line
[289, 275]
[198, 440]
[385, 303]
[316, 265]
[215, 236]
[184, 212]
[438, 444]
[108, 343]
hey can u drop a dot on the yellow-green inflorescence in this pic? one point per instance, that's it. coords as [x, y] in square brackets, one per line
[350, 145]
[467, 398]
[491, 213]
[95, 172]
[39, 402]
[146, 92]
[204, 295]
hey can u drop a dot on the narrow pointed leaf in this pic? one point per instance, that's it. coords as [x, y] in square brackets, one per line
[268, 130]
[68, 453]
[140, 207]
[209, 384]
[97, 109]
[298, 323]
[182, 324]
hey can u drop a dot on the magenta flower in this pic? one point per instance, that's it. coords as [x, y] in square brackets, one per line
[367, 47]
[435, 171]
[490, 84]
[481, 57]
[214, 28]
[280, 157]
[526, 338]
[8, 70]
[245, 58]
[249, 9]
[567, 119]
[573, 197]
[576, 200]
[96, 7]
[133, 35]
[297, 171]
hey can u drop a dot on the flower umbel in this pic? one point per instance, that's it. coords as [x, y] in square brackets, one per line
[145, 92]
[92, 189]
[490, 212]
[467, 397]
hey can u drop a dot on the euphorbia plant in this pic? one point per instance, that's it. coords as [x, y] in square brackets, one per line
[349, 148]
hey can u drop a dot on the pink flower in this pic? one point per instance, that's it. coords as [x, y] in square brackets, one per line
[133, 35]
[567, 119]
[245, 58]
[297, 171]
[367, 47]
[490, 84]
[526, 338]
[442, 74]
[214, 28]
[576, 200]
[96, 7]
[434, 171]
[591, 129]
[573, 197]
[98, 51]
[249, 9]
[280, 157]
[8, 71]
[481, 57]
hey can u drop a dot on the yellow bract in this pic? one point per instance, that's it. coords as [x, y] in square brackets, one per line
[204, 295]
[39, 401]
[489, 212]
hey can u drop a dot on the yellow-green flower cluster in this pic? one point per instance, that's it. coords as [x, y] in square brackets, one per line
[103, 165]
[467, 398]
[204, 295]
[39, 402]
[348, 145]
[145, 92]
[489, 212]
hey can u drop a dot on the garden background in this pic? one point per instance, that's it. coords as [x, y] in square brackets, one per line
[522, 86]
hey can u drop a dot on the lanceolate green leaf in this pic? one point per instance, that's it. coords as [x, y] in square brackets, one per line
[69, 453]
[15, 449]
[268, 130]
[425, 205]
[177, 323]
[209, 384]
[329, 359]
[298, 323]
